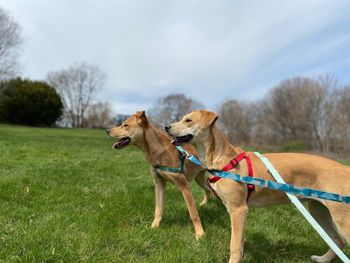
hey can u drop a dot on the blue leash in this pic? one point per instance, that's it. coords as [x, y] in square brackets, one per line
[288, 188]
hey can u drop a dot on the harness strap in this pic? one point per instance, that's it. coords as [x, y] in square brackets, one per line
[183, 156]
[232, 164]
[235, 161]
[178, 170]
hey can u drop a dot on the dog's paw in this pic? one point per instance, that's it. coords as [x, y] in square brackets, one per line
[155, 224]
[204, 202]
[200, 235]
[319, 259]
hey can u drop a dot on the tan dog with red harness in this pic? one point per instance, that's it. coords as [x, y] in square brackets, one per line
[159, 152]
[304, 170]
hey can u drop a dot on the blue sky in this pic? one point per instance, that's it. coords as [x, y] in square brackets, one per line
[209, 50]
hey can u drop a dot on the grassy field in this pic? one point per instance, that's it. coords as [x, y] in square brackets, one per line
[66, 196]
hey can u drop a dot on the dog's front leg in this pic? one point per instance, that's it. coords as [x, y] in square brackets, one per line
[191, 205]
[159, 184]
[238, 216]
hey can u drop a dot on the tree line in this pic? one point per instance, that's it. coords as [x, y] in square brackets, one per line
[299, 114]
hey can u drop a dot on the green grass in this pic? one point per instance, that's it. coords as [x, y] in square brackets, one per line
[66, 196]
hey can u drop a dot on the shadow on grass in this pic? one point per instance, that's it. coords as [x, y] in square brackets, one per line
[213, 213]
[261, 249]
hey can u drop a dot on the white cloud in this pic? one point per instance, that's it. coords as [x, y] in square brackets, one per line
[127, 107]
[209, 50]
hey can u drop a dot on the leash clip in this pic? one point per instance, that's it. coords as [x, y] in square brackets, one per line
[186, 154]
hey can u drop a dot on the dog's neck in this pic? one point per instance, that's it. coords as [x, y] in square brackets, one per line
[156, 145]
[215, 151]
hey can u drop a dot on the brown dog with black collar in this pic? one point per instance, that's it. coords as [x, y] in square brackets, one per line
[304, 170]
[159, 150]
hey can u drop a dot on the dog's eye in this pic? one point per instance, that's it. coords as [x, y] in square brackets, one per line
[188, 120]
[126, 125]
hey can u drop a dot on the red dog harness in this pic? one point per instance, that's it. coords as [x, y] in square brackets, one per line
[232, 164]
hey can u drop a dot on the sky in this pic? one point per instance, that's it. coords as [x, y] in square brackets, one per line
[209, 50]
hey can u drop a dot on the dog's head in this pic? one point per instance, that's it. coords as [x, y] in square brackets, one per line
[194, 127]
[130, 131]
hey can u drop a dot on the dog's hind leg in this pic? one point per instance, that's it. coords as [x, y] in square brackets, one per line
[341, 217]
[201, 181]
[324, 218]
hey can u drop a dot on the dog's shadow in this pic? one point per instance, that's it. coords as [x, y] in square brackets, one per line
[213, 213]
[258, 248]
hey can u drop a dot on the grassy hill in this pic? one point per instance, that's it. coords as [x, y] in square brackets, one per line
[66, 196]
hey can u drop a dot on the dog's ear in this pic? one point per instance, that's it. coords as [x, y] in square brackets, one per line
[210, 118]
[141, 118]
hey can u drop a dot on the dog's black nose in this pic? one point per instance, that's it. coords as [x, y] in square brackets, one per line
[167, 128]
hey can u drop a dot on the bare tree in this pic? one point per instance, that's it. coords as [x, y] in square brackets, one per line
[172, 108]
[77, 86]
[291, 106]
[299, 109]
[10, 42]
[340, 133]
[99, 115]
[263, 134]
[236, 120]
[322, 106]
[288, 102]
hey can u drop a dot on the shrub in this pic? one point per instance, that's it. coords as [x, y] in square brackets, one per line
[29, 102]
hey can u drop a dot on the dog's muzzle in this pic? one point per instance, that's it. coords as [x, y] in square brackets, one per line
[182, 139]
[177, 140]
[121, 143]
